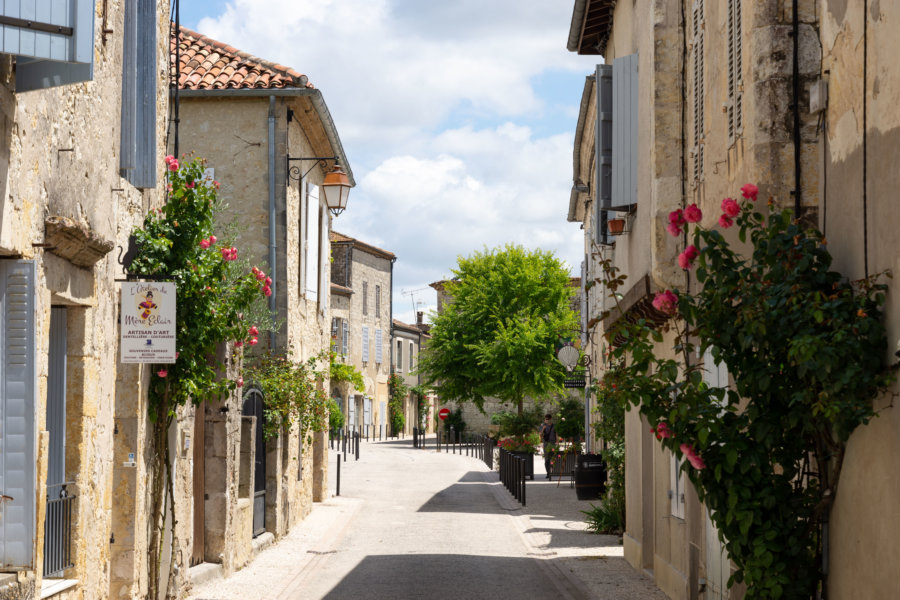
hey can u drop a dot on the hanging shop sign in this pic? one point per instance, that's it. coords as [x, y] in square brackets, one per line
[148, 322]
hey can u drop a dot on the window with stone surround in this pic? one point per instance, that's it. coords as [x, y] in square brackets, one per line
[365, 298]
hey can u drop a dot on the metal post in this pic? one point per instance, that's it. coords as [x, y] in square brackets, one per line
[357, 446]
[338, 489]
[344, 440]
[522, 499]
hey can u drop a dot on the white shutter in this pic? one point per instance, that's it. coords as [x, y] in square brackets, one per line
[56, 396]
[379, 351]
[345, 337]
[17, 414]
[365, 343]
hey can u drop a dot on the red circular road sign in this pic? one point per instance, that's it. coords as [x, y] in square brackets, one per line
[444, 413]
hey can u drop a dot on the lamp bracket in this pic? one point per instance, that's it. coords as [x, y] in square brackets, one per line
[294, 173]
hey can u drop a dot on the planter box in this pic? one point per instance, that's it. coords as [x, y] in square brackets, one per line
[529, 463]
[590, 476]
[563, 464]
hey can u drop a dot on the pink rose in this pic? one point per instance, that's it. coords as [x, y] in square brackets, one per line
[253, 331]
[730, 207]
[190, 186]
[233, 253]
[172, 163]
[254, 270]
[162, 372]
[749, 191]
[212, 239]
[268, 281]
[691, 455]
[666, 302]
[673, 229]
[238, 344]
[662, 431]
[267, 291]
[725, 222]
[216, 184]
[240, 382]
[260, 276]
[204, 244]
[693, 214]
[676, 217]
[253, 341]
[686, 258]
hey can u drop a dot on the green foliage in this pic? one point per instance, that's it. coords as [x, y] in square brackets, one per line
[515, 424]
[497, 336]
[806, 351]
[399, 393]
[293, 393]
[346, 373]
[454, 420]
[611, 430]
[335, 415]
[218, 299]
[608, 517]
[570, 419]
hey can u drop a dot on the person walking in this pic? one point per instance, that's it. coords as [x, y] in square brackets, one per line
[548, 439]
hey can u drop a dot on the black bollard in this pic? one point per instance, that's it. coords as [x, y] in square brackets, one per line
[338, 488]
[357, 446]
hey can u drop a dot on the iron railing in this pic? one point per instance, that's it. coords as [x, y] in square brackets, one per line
[58, 529]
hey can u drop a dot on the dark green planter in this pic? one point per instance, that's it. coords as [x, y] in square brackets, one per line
[590, 476]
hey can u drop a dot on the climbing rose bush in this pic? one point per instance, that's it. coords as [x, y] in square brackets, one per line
[805, 349]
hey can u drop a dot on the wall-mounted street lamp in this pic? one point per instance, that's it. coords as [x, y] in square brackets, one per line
[335, 187]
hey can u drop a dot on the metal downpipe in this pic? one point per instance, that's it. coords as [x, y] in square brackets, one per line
[272, 224]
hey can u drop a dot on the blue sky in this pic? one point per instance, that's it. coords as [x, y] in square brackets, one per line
[479, 98]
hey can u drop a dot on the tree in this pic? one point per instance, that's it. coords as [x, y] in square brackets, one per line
[497, 335]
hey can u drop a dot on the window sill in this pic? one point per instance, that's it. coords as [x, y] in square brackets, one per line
[52, 587]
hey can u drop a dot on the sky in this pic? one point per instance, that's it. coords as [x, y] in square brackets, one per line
[473, 102]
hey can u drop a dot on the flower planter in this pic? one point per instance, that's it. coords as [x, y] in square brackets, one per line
[529, 463]
[590, 476]
[615, 226]
[563, 464]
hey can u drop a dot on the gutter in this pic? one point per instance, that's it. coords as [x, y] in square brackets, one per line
[313, 94]
[273, 271]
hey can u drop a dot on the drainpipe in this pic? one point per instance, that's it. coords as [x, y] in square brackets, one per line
[796, 106]
[272, 224]
[584, 341]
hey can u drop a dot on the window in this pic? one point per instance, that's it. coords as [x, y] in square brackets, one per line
[735, 71]
[53, 43]
[365, 298]
[377, 301]
[313, 242]
[379, 347]
[336, 335]
[411, 349]
[137, 160]
[399, 356]
[365, 343]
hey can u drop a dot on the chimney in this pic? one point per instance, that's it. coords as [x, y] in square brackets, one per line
[419, 316]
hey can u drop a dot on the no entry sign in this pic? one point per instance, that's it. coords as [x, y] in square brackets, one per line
[444, 413]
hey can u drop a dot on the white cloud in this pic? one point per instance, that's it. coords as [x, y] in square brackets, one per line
[435, 104]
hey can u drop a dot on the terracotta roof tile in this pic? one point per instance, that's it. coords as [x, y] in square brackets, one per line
[210, 64]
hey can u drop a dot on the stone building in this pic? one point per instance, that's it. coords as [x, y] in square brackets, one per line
[83, 106]
[361, 283]
[407, 341]
[263, 130]
[692, 100]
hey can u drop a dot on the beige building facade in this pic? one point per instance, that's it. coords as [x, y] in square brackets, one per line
[707, 93]
[407, 341]
[80, 164]
[361, 282]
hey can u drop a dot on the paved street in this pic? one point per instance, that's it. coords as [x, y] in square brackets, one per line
[420, 524]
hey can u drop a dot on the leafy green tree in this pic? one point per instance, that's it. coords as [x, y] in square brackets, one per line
[497, 336]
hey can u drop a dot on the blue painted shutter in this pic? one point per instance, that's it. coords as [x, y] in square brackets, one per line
[624, 132]
[379, 351]
[137, 161]
[17, 414]
[48, 58]
[604, 152]
[365, 343]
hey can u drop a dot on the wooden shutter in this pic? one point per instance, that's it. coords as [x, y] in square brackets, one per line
[735, 69]
[56, 396]
[624, 132]
[365, 343]
[603, 154]
[379, 350]
[345, 337]
[399, 356]
[698, 87]
[411, 348]
[17, 414]
[137, 162]
[53, 41]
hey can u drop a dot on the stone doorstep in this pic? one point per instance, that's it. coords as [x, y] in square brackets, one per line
[206, 572]
[51, 587]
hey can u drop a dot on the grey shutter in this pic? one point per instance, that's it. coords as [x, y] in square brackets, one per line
[411, 348]
[604, 131]
[138, 131]
[379, 351]
[17, 414]
[699, 90]
[56, 396]
[367, 411]
[624, 132]
[399, 356]
[345, 338]
[53, 41]
[365, 343]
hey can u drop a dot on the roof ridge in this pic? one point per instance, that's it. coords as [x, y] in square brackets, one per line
[204, 74]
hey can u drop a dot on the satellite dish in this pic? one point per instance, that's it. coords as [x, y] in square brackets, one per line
[568, 356]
